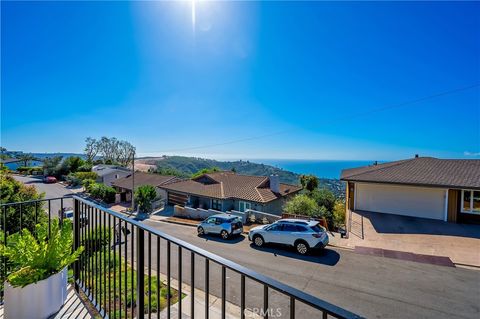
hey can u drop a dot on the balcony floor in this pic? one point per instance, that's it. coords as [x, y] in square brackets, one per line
[72, 309]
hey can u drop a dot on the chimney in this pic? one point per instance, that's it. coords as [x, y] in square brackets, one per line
[416, 155]
[274, 183]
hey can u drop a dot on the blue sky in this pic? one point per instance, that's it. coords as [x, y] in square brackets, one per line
[285, 79]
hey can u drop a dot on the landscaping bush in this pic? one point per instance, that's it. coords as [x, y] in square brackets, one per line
[87, 184]
[302, 205]
[97, 239]
[86, 175]
[339, 214]
[144, 196]
[73, 180]
[103, 192]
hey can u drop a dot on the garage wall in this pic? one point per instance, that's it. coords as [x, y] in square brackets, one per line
[401, 200]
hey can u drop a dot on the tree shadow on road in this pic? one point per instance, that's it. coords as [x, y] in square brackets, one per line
[327, 257]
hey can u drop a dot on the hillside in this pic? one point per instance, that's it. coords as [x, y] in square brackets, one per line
[190, 165]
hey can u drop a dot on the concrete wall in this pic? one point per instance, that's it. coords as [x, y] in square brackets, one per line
[401, 200]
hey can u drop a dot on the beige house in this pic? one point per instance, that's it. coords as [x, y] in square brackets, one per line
[426, 187]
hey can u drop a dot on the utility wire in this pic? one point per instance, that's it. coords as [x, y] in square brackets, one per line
[353, 116]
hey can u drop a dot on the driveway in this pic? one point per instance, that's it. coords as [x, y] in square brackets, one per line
[459, 242]
[374, 287]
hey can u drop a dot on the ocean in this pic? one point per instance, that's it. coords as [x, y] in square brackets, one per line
[320, 168]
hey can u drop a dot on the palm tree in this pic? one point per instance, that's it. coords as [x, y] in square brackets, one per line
[26, 158]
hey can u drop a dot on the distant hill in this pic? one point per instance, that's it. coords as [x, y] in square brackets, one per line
[190, 165]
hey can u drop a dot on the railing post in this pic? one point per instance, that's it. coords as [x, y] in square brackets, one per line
[140, 273]
[76, 242]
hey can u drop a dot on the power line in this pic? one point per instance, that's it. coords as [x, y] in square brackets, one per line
[353, 116]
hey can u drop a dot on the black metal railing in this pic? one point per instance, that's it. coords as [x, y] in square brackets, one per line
[131, 270]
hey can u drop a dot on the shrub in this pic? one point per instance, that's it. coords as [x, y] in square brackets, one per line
[144, 196]
[12, 190]
[87, 184]
[86, 175]
[34, 259]
[339, 214]
[73, 180]
[302, 205]
[87, 167]
[103, 192]
[97, 239]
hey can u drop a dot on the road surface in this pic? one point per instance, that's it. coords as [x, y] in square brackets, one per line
[374, 287]
[51, 191]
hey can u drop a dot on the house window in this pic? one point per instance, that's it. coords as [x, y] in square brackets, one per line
[243, 206]
[216, 204]
[470, 201]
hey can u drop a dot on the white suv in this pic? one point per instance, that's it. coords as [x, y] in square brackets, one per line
[299, 233]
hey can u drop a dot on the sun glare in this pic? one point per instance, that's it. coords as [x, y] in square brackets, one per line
[193, 15]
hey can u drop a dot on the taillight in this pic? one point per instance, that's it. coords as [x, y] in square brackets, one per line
[317, 235]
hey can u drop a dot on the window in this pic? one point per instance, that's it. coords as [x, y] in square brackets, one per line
[275, 227]
[470, 201]
[211, 220]
[216, 204]
[243, 206]
[289, 228]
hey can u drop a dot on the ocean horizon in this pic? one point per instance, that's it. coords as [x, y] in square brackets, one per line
[319, 168]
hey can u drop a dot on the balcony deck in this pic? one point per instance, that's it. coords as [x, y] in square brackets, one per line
[73, 308]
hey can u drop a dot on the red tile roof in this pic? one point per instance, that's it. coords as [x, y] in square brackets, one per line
[426, 171]
[225, 185]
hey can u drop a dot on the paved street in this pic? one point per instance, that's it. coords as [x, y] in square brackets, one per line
[374, 287]
[51, 191]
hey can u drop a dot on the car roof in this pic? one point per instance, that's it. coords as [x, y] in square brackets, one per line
[298, 221]
[222, 216]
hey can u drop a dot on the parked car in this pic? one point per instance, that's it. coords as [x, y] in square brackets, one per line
[49, 180]
[224, 225]
[304, 235]
[68, 213]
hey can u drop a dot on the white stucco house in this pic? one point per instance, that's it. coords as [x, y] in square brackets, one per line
[426, 187]
[109, 173]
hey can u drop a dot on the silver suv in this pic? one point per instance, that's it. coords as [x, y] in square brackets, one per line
[224, 225]
[302, 234]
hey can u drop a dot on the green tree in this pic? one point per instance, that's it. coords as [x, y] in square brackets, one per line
[206, 171]
[144, 196]
[26, 158]
[12, 191]
[302, 205]
[326, 202]
[51, 165]
[309, 182]
[103, 192]
[339, 213]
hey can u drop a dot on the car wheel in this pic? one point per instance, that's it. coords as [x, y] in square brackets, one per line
[224, 234]
[258, 241]
[301, 247]
[200, 231]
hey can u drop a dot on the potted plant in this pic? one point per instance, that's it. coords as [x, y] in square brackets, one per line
[36, 285]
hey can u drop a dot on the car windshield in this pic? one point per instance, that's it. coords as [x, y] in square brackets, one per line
[317, 228]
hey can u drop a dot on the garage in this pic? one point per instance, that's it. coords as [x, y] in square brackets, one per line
[177, 199]
[401, 200]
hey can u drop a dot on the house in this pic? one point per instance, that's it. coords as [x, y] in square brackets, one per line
[108, 173]
[427, 187]
[226, 191]
[124, 185]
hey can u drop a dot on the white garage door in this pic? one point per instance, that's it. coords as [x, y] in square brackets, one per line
[401, 200]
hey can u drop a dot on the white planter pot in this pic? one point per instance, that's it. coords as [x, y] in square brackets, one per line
[38, 300]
